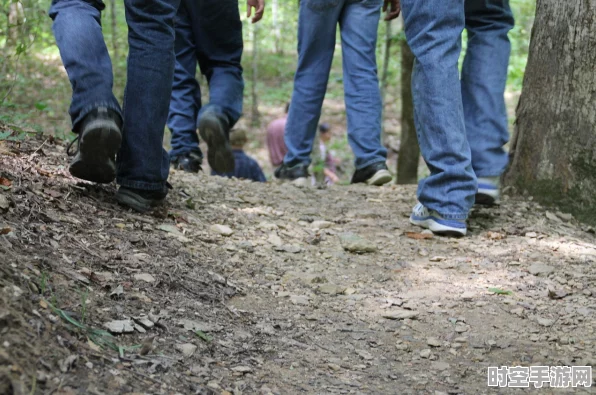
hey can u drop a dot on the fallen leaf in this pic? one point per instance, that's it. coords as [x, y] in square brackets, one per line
[67, 363]
[495, 236]
[418, 236]
[147, 346]
[117, 292]
[5, 230]
[5, 182]
[203, 336]
[93, 346]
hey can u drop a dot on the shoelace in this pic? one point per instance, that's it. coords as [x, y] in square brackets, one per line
[68, 151]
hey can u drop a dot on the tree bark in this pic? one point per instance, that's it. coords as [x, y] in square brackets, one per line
[554, 147]
[255, 116]
[409, 151]
[114, 23]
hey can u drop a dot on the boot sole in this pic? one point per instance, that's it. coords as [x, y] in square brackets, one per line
[381, 177]
[98, 147]
[132, 200]
[219, 154]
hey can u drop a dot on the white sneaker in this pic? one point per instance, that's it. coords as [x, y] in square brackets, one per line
[421, 216]
[488, 191]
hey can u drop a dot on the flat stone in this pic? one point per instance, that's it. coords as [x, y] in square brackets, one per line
[187, 349]
[400, 314]
[541, 269]
[354, 243]
[425, 353]
[194, 326]
[438, 258]
[144, 277]
[321, 224]
[242, 369]
[275, 240]
[120, 326]
[544, 321]
[144, 322]
[4, 203]
[331, 289]
[223, 230]
[299, 300]
[434, 342]
[439, 366]
[468, 295]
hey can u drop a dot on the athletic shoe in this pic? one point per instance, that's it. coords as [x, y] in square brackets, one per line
[189, 162]
[375, 174]
[141, 200]
[214, 130]
[421, 216]
[488, 191]
[297, 174]
[98, 141]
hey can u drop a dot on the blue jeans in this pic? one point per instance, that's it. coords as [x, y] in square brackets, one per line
[461, 124]
[317, 26]
[142, 161]
[208, 32]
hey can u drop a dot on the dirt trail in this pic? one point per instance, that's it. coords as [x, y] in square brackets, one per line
[272, 301]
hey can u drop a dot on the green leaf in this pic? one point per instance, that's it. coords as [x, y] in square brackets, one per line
[203, 336]
[499, 291]
[41, 106]
[5, 135]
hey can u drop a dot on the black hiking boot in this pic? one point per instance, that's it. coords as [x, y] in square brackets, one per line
[214, 130]
[375, 174]
[296, 173]
[98, 141]
[141, 200]
[189, 162]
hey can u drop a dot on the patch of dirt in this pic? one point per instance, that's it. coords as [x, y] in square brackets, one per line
[273, 301]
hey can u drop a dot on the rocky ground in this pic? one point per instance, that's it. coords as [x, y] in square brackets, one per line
[242, 288]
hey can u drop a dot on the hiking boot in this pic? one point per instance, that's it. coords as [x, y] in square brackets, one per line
[375, 174]
[488, 191]
[421, 216]
[189, 162]
[214, 130]
[297, 173]
[98, 141]
[141, 200]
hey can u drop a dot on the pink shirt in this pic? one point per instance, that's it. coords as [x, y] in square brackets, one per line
[275, 141]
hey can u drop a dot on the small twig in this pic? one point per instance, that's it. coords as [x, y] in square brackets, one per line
[37, 150]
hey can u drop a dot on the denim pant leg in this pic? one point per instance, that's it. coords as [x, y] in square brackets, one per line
[317, 26]
[142, 161]
[359, 24]
[185, 102]
[484, 77]
[77, 29]
[217, 30]
[433, 30]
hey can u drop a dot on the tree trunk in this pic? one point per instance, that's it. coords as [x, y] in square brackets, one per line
[255, 116]
[15, 22]
[114, 28]
[554, 147]
[384, 74]
[276, 27]
[409, 151]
